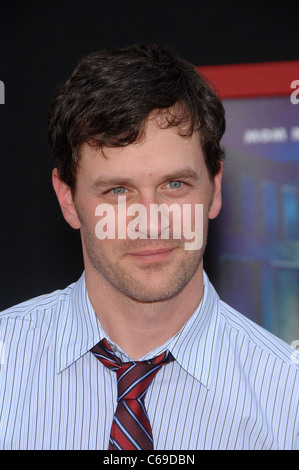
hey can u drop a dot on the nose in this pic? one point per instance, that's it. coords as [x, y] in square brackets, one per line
[150, 221]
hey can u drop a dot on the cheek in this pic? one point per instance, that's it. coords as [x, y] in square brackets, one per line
[87, 216]
[200, 206]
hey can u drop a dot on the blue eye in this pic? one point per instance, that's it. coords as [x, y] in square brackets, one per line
[119, 190]
[175, 184]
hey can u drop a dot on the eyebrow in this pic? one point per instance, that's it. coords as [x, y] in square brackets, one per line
[107, 182]
[104, 182]
[186, 173]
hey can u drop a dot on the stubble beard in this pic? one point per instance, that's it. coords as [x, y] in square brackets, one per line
[147, 283]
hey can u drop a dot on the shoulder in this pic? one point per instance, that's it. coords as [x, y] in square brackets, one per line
[37, 311]
[256, 336]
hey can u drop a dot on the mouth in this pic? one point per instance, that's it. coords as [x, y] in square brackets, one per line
[153, 255]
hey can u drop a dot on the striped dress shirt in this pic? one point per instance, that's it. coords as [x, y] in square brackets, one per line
[232, 385]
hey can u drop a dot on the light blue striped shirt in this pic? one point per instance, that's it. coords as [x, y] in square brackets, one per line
[232, 385]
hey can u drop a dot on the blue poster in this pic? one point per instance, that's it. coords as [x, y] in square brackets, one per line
[258, 227]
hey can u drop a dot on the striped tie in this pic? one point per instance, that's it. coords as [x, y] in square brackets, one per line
[131, 429]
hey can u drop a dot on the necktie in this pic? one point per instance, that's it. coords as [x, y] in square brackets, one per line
[131, 429]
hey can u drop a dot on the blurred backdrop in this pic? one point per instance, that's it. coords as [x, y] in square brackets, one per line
[252, 255]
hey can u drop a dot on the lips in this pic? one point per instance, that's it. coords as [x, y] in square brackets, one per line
[156, 254]
[151, 252]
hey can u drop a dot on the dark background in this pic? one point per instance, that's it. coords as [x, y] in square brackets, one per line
[40, 44]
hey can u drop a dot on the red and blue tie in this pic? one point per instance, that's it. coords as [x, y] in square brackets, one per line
[131, 429]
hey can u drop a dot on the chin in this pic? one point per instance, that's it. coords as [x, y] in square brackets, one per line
[157, 291]
[150, 297]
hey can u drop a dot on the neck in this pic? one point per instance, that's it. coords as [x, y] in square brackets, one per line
[138, 327]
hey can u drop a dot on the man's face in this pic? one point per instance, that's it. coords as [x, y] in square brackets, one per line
[163, 168]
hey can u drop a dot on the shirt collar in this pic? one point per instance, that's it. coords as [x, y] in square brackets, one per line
[79, 328]
[193, 347]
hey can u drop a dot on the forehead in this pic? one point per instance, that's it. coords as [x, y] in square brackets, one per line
[158, 152]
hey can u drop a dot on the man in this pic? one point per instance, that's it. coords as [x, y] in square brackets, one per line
[139, 128]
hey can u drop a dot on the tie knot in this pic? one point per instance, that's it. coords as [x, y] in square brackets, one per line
[133, 377]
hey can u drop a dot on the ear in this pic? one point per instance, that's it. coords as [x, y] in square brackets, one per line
[216, 199]
[65, 199]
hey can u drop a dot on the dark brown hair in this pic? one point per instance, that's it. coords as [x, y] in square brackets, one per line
[111, 93]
